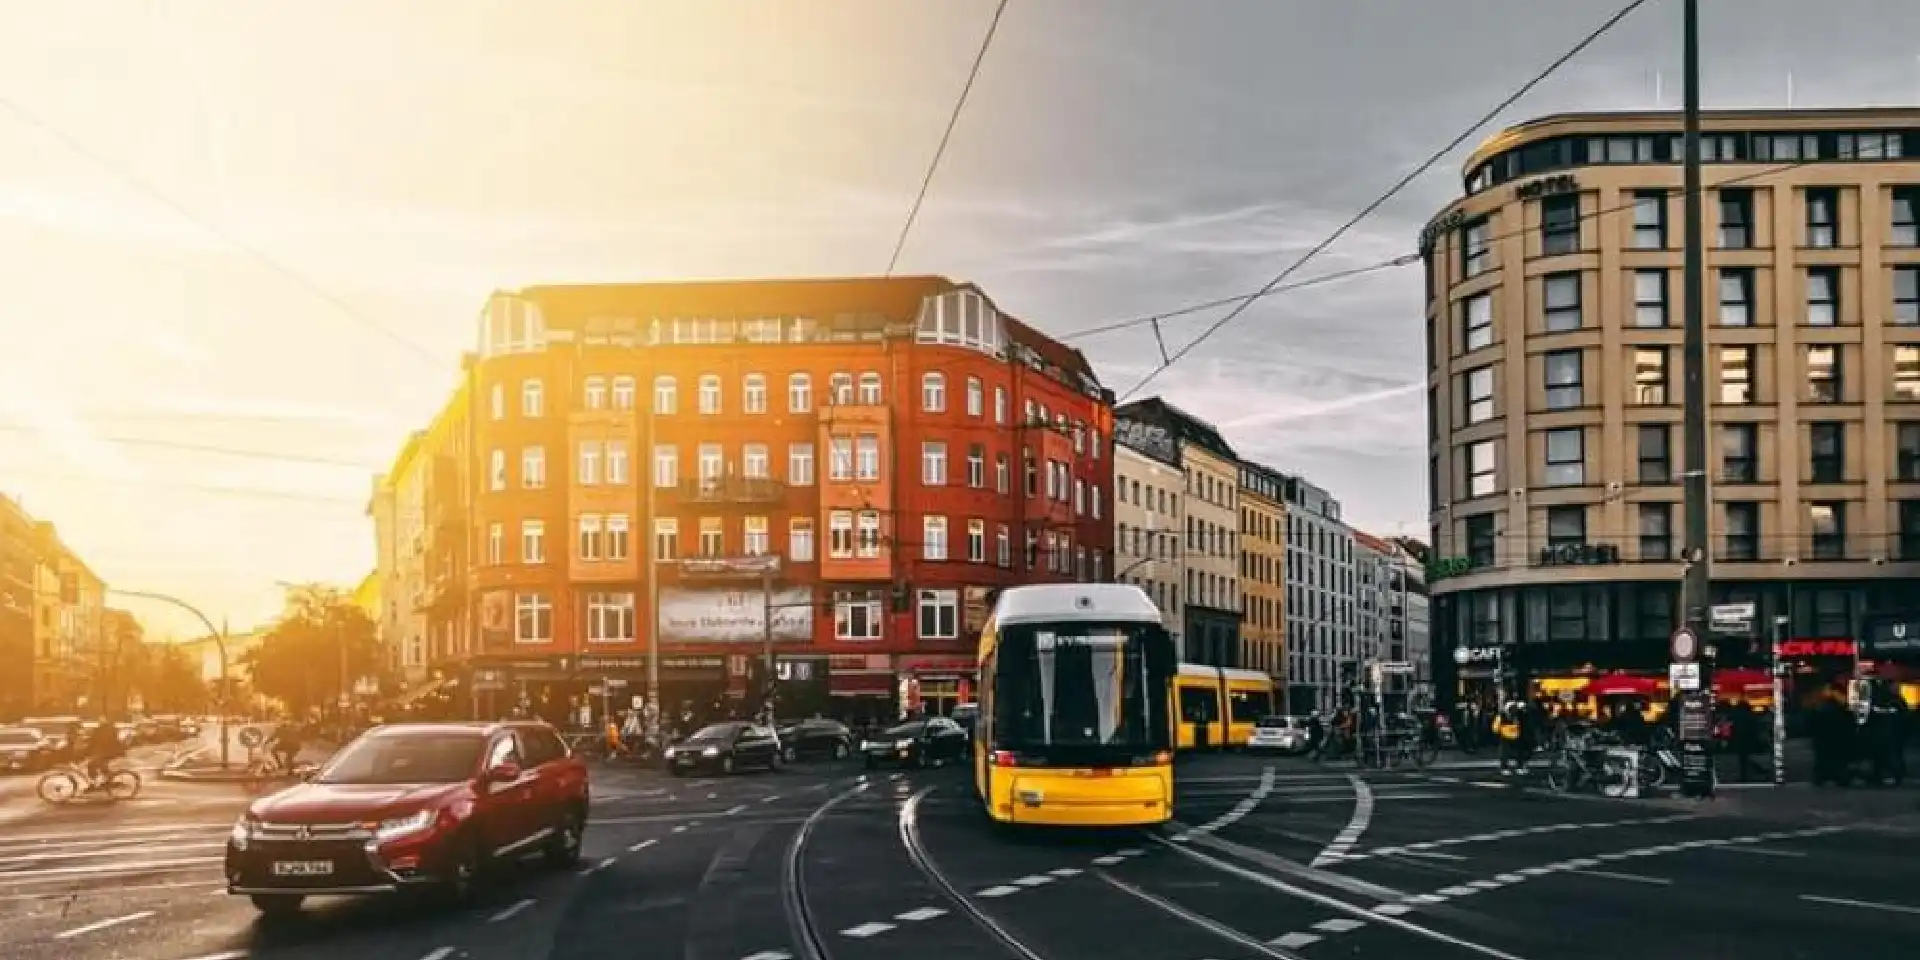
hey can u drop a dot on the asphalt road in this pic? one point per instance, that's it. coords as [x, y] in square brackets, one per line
[1270, 859]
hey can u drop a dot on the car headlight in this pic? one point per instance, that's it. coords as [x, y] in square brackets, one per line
[902, 744]
[710, 752]
[408, 825]
[243, 831]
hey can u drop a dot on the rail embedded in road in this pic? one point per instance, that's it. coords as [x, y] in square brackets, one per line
[917, 852]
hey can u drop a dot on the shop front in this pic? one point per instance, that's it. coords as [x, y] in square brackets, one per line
[933, 684]
[861, 689]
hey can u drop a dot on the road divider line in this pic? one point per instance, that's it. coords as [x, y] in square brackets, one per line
[1357, 825]
[1629, 877]
[1863, 904]
[439, 953]
[229, 955]
[1208, 924]
[734, 809]
[511, 912]
[642, 845]
[596, 868]
[102, 925]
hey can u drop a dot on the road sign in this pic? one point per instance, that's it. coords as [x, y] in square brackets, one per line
[1684, 676]
[1684, 645]
[1733, 618]
[1396, 666]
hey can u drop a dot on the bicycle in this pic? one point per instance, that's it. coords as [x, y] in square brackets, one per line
[71, 781]
[264, 770]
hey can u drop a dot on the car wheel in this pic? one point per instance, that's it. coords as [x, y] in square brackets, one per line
[839, 750]
[563, 850]
[464, 874]
[276, 906]
[726, 764]
[790, 754]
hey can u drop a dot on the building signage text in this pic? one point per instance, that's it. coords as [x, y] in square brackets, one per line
[1440, 568]
[707, 615]
[1446, 222]
[1466, 655]
[1546, 186]
[1818, 648]
[1579, 555]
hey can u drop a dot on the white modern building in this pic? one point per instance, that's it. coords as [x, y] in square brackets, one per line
[1320, 597]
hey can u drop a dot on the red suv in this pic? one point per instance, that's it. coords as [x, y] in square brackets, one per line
[428, 806]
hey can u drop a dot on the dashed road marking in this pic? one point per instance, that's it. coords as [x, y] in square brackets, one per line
[1033, 880]
[1107, 861]
[865, 930]
[734, 809]
[923, 913]
[1065, 871]
[1338, 925]
[1000, 890]
[642, 845]
[769, 955]
[770, 799]
[1862, 904]
[439, 953]
[1362, 818]
[1629, 877]
[102, 925]
[1294, 941]
[511, 912]
[596, 868]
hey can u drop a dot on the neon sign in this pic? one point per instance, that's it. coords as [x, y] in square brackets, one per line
[1818, 648]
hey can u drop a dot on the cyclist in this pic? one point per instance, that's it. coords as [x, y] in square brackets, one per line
[286, 745]
[102, 750]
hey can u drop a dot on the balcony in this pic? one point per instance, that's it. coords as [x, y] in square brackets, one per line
[746, 490]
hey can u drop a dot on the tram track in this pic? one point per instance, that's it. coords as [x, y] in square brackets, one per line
[929, 868]
[809, 941]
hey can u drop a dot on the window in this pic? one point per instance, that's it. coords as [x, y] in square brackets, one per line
[1736, 219]
[1828, 522]
[1907, 451]
[617, 461]
[532, 618]
[589, 537]
[1003, 546]
[1649, 220]
[623, 393]
[756, 537]
[1656, 462]
[1000, 472]
[533, 468]
[870, 389]
[1480, 469]
[617, 537]
[856, 615]
[1563, 379]
[1823, 296]
[609, 617]
[496, 543]
[866, 457]
[999, 405]
[1743, 531]
[1560, 224]
[976, 541]
[1823, 373]
[933, 393]
[1906, 296]
[753, 461]
[1826, 449]
[1739, 453]
[533, 399]
[497, 470]
[1566, 526]
[709, 394]
[711, 463]
[1736, 297]
[840, 534]
[800, 464]
[1823, 221]
[666, 466]
[933, 538]
[1656, 531]
[867, 542]
[753, 393]
[1650, 375]
[589, 462]
[1093, 499]
[1905, 230]
[666, 538]
[799, 393]
[1560, 294]
[1906, 372]
[1079, 497]
[666, 395]
[840, 389]
[976, 397]
[713, 538]
[593, 393]
[1736, 375]
[976, 466]
[497, 402]
[1649, 298]
[1476, 313]
[1909, 533]
[840, 458]
[1476, 248]
[800, 539]
[1566, 457]
[533, 541]
[1482, 541]
[933, 463]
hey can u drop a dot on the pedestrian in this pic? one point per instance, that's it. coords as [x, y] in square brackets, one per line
[1744, 739]
[1508, 728]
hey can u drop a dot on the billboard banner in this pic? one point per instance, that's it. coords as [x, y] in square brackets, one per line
[719, 615]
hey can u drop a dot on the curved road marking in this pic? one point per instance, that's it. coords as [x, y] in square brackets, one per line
[1362, 818]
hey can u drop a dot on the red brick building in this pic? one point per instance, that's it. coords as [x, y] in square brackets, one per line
[900, 445]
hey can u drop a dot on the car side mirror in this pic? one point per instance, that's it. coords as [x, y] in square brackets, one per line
[503, 772]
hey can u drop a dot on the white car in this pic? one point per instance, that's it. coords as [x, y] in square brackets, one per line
[1285, 734]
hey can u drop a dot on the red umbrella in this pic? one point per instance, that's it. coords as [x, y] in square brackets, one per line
[1622, 685]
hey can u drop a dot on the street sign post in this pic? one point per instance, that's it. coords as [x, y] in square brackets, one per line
[1779, 671]
[1694, 700]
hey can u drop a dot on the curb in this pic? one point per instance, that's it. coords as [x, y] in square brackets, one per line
[211, 776]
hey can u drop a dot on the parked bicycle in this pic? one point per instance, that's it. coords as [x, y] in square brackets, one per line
[71, 782]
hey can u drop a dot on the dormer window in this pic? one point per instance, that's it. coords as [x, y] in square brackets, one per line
[961, 318]
[512, 325]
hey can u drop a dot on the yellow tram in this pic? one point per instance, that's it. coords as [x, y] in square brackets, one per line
[1075, 728]
[1218, 706]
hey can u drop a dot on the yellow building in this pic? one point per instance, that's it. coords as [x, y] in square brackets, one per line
[69, 609]
[1263, 577]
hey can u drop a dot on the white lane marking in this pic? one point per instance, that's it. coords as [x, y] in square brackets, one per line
[1458, 891]
[229, 955]
[1490, 784]
[682, 828]
[924, 913]
[102, 925]
[511, 912]
[1757, 851]
[733, 810]
[126, 867]
[1033, 880]
[1208, 924]
[1426, 855]
[1862, 904]
[92, 837]
[441, 953]
[1362, 818]
[1294, 941]
[1338, 925]
[1630, 877]
[997, 891]
[642, 845]
[1106, 861]
[770, 799]
[208, 844]
[769, 955]
[1129, 852]
[866, 930]
[596, 868]
[1065, 871]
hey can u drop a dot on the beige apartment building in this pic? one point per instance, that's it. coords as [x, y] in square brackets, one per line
[1147, 533]
[1263, 571]
[1209, 522]
[1554, 306]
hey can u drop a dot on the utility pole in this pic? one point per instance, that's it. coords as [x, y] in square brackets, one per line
[1696, 706]
[650, 549]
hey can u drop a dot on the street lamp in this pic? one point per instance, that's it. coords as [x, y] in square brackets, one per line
[219, 641]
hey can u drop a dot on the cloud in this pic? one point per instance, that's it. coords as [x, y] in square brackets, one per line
[1326, 407]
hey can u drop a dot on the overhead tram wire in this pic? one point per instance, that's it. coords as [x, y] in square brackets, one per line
[1393, 191]
[1408, 259]
[953, 119]
[260, 256]
[215, 449]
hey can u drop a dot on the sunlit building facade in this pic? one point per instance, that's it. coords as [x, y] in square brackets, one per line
[1263, 566]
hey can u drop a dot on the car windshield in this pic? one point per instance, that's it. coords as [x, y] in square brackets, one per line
[408, 758]
[716, 733]
[1083, 686]
[18, 737]
[1277, 723]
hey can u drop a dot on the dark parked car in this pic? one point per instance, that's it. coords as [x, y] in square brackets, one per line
[427, 806]
[23, 749]
[932, 742]
[816, 739]
[725, 748]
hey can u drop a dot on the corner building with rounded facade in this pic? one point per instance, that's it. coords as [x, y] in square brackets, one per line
[900, 445]
[1553, 324]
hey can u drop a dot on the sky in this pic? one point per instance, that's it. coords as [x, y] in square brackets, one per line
[267, 228]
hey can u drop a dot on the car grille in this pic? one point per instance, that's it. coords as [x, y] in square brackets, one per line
[342, 845]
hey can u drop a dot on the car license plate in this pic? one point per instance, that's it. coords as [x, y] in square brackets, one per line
[302, 868]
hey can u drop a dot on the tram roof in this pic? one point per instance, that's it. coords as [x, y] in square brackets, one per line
[1070, 602]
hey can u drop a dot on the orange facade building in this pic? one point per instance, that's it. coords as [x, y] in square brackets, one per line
[899, 447]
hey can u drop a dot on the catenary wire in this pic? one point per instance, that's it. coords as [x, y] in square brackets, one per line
[953, 119]
[215, 449]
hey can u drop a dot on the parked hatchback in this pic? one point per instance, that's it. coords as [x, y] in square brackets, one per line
[413, 807]
[815, 739]
[726, 748]
[932, 742]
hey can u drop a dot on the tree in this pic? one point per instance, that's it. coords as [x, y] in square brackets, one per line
[320, 646]
[170, 682]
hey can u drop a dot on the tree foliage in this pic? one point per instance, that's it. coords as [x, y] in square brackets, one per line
[163, 678]
[299, 661]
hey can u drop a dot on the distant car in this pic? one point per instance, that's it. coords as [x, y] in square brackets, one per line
[23, 749]
[725, 748]
[64, 734]
[967, 715]
[1285, 734]
[412, 807]
[815, 739]
[932, 742]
